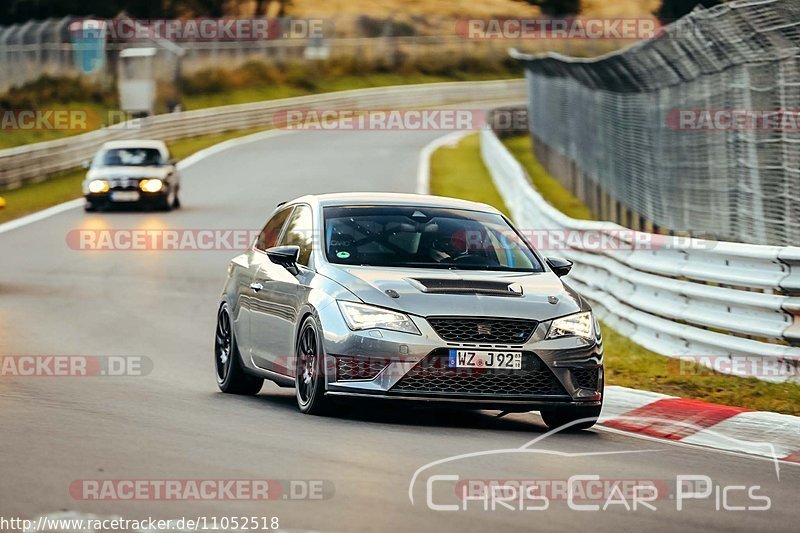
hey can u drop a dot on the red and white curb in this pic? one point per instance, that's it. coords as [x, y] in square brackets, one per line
[707, 424]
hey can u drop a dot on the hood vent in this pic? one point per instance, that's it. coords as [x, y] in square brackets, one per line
[466, 286]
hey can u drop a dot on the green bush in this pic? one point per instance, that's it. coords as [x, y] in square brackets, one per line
[307, 76]
[50, 89]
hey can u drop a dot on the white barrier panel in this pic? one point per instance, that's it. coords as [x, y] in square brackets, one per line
[676, 296]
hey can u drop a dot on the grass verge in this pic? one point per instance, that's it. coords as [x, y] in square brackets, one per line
[459, 171]
[66, 186]
[547, 185]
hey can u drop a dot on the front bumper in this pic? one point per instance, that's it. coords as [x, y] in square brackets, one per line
[401, 366]
[106, 199]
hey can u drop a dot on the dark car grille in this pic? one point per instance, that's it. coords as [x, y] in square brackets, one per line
[124, 184]
[493, 330]
[353, 368]
[432, 375]
[585, 378]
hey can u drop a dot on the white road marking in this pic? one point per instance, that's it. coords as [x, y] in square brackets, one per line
[40, 215]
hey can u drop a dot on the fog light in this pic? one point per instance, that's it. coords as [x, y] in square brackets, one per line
[153, 185]
[97, 186]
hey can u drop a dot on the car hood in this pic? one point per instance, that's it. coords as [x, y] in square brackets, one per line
[429, 292]
[128, 172]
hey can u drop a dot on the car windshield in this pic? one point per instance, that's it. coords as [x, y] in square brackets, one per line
[425, 237]
[129, 157]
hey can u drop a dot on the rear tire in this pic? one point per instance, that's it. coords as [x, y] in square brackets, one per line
[558, 417]
[310, 370]
[231, 376]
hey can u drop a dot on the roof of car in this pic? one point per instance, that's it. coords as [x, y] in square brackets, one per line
[382, 198]
[135, 143]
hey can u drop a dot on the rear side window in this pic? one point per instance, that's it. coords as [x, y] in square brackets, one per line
[269, 235]
[299, 232]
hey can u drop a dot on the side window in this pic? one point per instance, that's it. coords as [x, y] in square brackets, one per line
[269, 235]
[299, 231]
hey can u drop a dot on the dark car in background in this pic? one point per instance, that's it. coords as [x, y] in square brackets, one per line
[132, 172]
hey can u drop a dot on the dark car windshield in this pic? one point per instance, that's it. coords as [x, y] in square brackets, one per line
[129, 157]
[425, 237]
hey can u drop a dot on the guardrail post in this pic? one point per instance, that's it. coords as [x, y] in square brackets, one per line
[790, 256]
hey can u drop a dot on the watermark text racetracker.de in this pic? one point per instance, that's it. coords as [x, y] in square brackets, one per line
[589, 28]
[171, 239]
[61, 522]
[200, 29]
[22, 366]
[48, 119]
[201, 489]
[427, 119]
[787, 120]
[381, 119]
[233, 239]
[765, 366]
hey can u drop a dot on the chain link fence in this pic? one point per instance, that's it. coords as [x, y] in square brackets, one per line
[694, 130]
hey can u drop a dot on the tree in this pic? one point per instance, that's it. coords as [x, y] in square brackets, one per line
[557, 8]
[674, 9]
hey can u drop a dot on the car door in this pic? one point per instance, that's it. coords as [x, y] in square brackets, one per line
[277, 302]
[267, 238]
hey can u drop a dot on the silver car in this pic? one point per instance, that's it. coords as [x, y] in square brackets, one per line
[407, 297]
[132, 172]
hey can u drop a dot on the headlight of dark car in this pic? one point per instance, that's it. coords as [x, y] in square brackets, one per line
[98, 186]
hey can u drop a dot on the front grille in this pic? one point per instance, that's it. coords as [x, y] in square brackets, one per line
[492, 330]
[585, 378]
[353, 368]
[124, 184]
[432, 375]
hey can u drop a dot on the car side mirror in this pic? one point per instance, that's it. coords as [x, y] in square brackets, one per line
[560, 266]
[86, 164]
[286, 256]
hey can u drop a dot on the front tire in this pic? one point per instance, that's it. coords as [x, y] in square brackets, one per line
[231, 376]
[558, 417]
[310, 370]
[167, 201]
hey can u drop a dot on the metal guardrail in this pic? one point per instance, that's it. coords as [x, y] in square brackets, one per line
[675, 296]
[35, 161]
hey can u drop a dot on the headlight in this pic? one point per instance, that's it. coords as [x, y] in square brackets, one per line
[360, 316]
[578, 325]
[152, 185]
[96, 186]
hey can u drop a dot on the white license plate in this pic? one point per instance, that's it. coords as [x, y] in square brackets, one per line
[124, 196]
[475, 359]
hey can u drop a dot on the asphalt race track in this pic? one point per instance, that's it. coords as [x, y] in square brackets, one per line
[173, 424]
